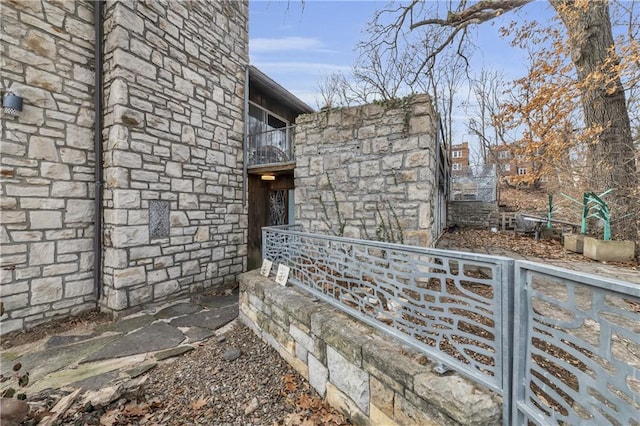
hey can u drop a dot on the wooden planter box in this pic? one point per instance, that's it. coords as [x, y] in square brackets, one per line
[610, 251]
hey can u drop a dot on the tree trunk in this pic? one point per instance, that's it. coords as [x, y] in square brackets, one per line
[612, 155]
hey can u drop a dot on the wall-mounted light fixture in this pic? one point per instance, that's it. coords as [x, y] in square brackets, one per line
[11, 103]
[268, 177]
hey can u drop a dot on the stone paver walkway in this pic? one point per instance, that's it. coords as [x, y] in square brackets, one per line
[119, 351]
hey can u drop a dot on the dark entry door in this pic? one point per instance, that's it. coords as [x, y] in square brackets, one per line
[268, 205]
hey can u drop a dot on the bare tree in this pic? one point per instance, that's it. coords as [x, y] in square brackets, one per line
[595, 61]
[484, 111]
[333, 90]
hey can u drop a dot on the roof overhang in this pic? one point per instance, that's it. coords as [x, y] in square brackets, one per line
[264, 83]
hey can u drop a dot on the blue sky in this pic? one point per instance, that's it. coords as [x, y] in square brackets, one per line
[296, 44]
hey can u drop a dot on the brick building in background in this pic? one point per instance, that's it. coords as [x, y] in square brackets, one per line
[459, 159]
[511, 165]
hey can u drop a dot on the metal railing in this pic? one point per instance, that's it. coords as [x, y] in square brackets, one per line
[271, 147]
[577, 348]
[446, 304]
[464, 309]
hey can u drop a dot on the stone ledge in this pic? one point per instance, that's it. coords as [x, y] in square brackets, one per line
[380, 380]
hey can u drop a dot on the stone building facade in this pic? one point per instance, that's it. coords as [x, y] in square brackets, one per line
[172, 214]
[370, 172]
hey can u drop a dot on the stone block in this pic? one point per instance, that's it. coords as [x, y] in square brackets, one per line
[574, 242]
[609, 251]
[385, 356]
[79, 211]
[301, 338]
[342, 403]
[301, 352]
[46, 290]
[7, 326]
[45, 219]
[115, 258]
[12, 216]
[381, 396]
[141, 295]
[69, 189]
[116, 300]
[129, 276]
[318, 375]
[16, 301]
[79, 137]
[350, 379]
[78, 288]
[129, 236]
[405, 413]
[473, 405]
[202, 234]
[165, 288]
[378, 418]
[54, 170]
[41, 253]
[44, 80]
[297, 364]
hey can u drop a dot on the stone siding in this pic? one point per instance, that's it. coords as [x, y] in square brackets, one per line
[473, 214]
[372, 378]
[173, 123]
[47, 161]
[378, 162]
[174, 91]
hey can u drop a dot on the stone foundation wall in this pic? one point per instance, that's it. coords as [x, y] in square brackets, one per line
[372, 378]
[473, 214]
[47, 161]
[377, 162]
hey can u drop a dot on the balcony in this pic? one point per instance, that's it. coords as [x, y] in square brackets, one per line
[273, 148]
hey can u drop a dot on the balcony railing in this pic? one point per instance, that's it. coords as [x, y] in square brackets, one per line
[273, 147]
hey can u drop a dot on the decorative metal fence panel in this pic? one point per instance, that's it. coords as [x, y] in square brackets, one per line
[577, 354]
[449, 305]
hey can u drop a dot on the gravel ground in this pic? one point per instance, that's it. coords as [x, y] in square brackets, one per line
[202, 387]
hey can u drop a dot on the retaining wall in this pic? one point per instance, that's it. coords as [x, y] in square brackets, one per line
[371, 377]
[473, 214]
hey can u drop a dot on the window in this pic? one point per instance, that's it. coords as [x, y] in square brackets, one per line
[261, 120]
[269, 137]
[522, 170]
[506, 167]
[456, 154]
[520, 157]
[456, 166]
[504, 154]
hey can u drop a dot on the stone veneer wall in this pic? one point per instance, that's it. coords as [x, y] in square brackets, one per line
[371, 157]
[174, 82]
[173, 125]
[47, 161]
[372, 378]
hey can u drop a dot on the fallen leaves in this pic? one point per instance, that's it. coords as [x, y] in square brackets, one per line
[309, 408]
[290, 384]
[198, 404]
